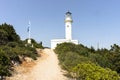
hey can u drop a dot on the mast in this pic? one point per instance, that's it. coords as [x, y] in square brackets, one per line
[29, 29]
[29, 32]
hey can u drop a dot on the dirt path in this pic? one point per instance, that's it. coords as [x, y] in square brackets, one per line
[46, 68]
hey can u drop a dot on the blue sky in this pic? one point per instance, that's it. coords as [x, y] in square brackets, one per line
[95, 21]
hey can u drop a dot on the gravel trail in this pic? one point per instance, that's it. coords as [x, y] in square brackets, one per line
[45, 68]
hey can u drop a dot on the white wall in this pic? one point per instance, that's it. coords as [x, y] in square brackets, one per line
[54, 42]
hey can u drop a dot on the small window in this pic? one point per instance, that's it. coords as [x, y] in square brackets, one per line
[67, 26]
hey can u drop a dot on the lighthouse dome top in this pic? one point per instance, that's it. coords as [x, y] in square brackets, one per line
[68, 17]
[68, 13]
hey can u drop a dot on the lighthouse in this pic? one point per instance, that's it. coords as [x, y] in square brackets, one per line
[68, 26]
[68, 32]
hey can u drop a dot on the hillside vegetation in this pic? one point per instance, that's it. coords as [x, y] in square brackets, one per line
[13, 50]
[83, 63]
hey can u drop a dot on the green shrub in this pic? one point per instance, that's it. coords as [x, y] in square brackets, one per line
[5, 65]
[65, 47]
[34, 43]
[70, 59]
[90, 71]
[71, 55]
[12, 44]
[12, 48]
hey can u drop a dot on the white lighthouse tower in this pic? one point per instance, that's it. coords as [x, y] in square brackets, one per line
[68, 26]
[68, 32]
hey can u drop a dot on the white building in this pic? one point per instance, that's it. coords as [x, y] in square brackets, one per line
[68, 32]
